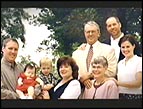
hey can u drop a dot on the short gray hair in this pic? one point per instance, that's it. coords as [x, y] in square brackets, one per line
[92, 23]
[100, 60]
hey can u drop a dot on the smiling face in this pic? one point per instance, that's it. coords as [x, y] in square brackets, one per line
[99, 67]
[65, 71]
[46, 65]
[127, 49]
[92, 33]
[67, 68]
[10, 51]
[113, 27]
[98, 70]
[46, 68]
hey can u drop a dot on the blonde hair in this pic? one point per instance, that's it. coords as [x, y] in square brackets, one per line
[45, 60]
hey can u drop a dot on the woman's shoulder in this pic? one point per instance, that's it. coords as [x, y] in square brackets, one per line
[110, 81]
[74, 82]
[121, 61]
[138, 58]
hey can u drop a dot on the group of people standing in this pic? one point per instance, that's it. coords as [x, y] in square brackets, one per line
[124, 63]
[97, 70]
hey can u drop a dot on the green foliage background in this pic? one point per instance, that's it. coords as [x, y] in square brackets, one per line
[66, 24]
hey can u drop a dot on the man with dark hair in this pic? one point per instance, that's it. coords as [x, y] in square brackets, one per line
[113, 26]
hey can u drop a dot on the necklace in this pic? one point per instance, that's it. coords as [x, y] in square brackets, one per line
[99, 84]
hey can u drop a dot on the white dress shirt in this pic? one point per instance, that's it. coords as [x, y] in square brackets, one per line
[114, 44]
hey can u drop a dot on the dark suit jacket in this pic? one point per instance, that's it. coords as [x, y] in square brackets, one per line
[108, 41]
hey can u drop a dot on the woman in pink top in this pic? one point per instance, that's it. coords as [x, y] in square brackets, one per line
[102, 87]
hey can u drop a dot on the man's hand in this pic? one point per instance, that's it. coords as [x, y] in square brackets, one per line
[82, 46]
[86, 80]
[83, 78]
[87, 83]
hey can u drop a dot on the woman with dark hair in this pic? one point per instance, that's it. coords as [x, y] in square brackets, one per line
[129, 72]
[68, 87]
[128, 37]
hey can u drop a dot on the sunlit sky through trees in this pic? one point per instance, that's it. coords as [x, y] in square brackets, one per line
[34, 36]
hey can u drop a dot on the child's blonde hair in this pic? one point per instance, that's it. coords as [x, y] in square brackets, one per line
[45, 61]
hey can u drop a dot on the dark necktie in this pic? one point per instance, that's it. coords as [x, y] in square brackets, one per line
[89, 57]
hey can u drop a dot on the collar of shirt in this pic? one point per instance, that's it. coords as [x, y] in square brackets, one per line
[94, 45]
[124, 60]
[116, 40]
[12, 65]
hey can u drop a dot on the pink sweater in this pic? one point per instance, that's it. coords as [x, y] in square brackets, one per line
[108, 90]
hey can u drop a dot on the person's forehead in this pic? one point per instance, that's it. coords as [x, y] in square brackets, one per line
[11, 43]
[65, 64]
[30, 68]
[97, 64]
[126, 43]
[90, 27]
[46, 65]
[110, 20]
